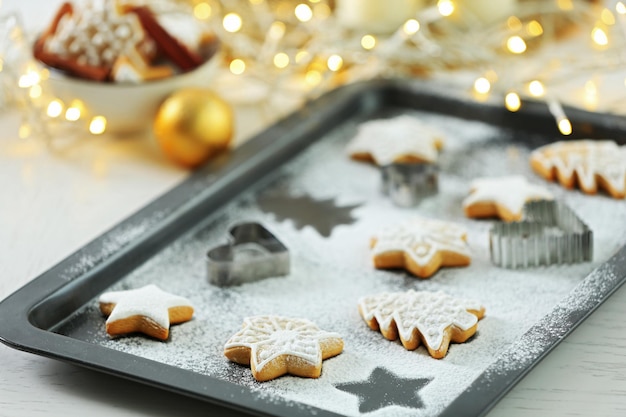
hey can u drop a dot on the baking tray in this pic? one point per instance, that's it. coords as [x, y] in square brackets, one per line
[294, 176]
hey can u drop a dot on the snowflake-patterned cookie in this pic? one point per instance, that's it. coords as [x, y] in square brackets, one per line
[275, 346]
[588, 164]
[421, 246]
[434, 319]
[147, 310]
[502, 197]
[401, 139]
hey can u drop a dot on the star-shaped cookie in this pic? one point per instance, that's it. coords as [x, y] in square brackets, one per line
[502, 197]
[275, 346]
[401, 139]
[421, 246]
[384, 389]
[147, 310]
[434, 319]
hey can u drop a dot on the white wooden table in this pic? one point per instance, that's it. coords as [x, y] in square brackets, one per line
[54, 201]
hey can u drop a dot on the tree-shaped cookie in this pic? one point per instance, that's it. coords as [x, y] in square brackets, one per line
[275, 346]
[416, 317]
[588, 164]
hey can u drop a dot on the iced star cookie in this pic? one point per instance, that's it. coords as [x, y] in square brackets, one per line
[416, 317]
[275, 346]
[147, 310]
[588, 164]
[502, 197]
[402, 139]
[421, 246]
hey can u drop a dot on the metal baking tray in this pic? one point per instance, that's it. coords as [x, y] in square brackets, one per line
[295, 179]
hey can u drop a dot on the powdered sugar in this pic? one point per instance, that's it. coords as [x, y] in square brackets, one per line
[329, 275]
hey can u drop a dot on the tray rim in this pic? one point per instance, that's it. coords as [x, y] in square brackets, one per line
[20, 329]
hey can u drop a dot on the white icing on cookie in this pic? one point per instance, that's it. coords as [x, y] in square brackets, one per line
[421, 239]
[511, 192]
[430, 313]
[588, 160]
[149, 301]
[388, 140]
[269, 337]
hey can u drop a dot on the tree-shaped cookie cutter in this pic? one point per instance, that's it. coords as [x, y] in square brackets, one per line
[252, 253]
[550, 233]
[407, 184]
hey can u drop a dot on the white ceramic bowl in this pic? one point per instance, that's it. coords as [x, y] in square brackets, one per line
[128, 107]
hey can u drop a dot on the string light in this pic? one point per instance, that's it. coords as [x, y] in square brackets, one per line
[606, 16]
[536, 88]
[281, 60]
[368, 42]
[445, 7]
[516, 45]
[98, 125]
[513, 23]
[411, 27]
[202, 11]
[302, 56]
[35, 91]
[237, 66]
[334, 63]
[72, 114]
[565, 4]
[24, 131]
[565, 127]
[313, 78]
[55, 108]
[512, 102]
[303, 12]
[232, 22]
[29, 79]
[534, 28]
[599, 36]
[620, 7]
[482, 85]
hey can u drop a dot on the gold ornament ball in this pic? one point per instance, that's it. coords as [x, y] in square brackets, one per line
[193, 125]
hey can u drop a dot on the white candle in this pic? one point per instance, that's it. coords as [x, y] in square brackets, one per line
[375, 16]
[488, 11]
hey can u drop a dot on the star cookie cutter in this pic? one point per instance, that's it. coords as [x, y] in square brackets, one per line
[550, 233]
[407, 184]
[252, 254]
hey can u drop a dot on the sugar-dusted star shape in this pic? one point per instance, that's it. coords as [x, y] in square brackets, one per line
[432, 318]
[275, 346]
[401, 139]
[147, 310]
[502, 197]
[421, 246]
[384, 389]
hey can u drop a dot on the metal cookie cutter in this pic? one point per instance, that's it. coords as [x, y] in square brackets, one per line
[252, 254]
[549, 234]
[409, 183]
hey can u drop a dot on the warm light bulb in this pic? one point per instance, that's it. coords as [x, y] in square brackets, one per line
[565, 127]
[536, 88]
[334, 62]
[514, 23]
[368, 42]
[620, 8]
[98, 125]
[301, 56]
[202, 11]
[237, 66]
[607, 17]
[516, 45]
[411, 27]
[29, 79]
[482, 85]
[446, 7]
[277, 30]
[534, 28]
[281, 60]
[232, 22]
[599, 36]
[72, 114]
[313, 78]
[512, 102]
[55, 108]
[565, 4]
[303, 12]
[35, 91]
